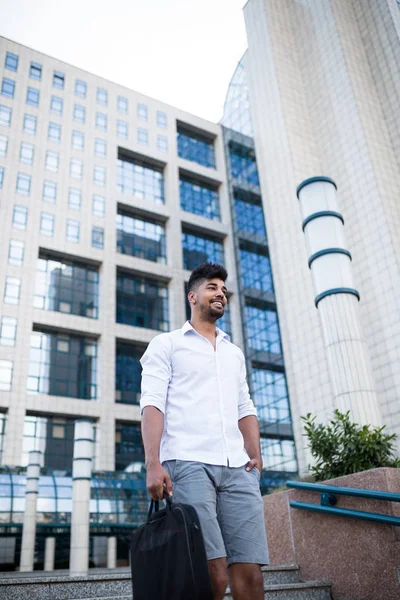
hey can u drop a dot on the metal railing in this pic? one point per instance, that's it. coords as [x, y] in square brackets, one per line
[328, 500]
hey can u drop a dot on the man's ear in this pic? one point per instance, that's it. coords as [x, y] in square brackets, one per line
[192, 297]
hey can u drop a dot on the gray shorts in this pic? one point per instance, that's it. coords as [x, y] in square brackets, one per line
[230, 508]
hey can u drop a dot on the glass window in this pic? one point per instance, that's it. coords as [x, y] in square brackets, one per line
[20, 217]
[199, 198]
[99, 176]
[141, 238]
[76, 168]
[1, 176]
[141, 180]
[101, 121]
[80, 88]
[249, 213]
[66, 286]
[5, 115]
[262, 329]
[16, 253]
[54, 132]
[98, 237]
[243, 164]
[129, 448]
[278, 455]
[62, 365]
[270, 395]
[12, 290]
[142, 112]
[58, 80]
[98, 206]
[78, 140]
[122, 129]
[52, 161]
[6, 372]
[100, 148]
[32, 96]
[26, 153]
[23, 184]
[128, 373]
[35, 71]
[49, 191]
[3, 145]
[30, 123]
[102, 96]
[47, 224]
[122, 104]
[198, 249]
[8, 331]
[79, 114]
[162, 143]
[73, 231]
[11, 61]
[196, 147]
[143, 137]
[162, 119]
[56, 105]
[142, 302]
[8, 87]
[74, 199]
[255, 268]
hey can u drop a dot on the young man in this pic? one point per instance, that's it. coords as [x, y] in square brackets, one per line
[201, 436]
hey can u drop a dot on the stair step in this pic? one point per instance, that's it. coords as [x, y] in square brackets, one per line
[274, 575]
[307, 590]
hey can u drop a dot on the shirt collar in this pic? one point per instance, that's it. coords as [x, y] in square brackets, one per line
[220, 334]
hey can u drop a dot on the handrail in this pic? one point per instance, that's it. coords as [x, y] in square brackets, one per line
[328, 501]
[344, 491]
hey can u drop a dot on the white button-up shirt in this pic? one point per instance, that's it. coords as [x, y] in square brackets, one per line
[202, 393]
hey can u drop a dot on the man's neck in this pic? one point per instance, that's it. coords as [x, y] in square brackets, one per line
[206, 328]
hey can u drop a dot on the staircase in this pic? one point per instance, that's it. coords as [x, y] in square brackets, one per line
[282, 583]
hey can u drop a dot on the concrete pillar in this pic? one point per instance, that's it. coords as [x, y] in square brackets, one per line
[337, 301]
[29, 525]
[81, 477]
[49, 553]
[111, 552]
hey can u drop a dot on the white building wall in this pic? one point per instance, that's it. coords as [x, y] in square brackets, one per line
[324, 98]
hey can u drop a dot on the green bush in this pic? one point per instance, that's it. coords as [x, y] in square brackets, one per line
[342, 447]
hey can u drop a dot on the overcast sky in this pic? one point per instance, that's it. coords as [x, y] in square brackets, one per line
[182, 52]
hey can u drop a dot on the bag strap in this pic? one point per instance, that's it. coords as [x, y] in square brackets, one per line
[155, 505]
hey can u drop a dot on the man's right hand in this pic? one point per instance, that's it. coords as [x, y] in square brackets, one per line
[158, 481]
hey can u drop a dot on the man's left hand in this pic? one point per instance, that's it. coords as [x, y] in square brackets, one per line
[254, 462]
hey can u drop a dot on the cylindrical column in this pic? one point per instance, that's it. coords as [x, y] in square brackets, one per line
[81, 477]
[49, 553]
[29, 525]
[337, 301]
[111, 552]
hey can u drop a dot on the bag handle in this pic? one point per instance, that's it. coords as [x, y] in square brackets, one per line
[155, 505]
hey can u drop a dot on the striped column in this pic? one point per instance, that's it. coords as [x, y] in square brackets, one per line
[337, 301]
[29, 525]
[81, 477]
[49, 553]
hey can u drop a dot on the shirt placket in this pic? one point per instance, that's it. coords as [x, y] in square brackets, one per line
[220, 401]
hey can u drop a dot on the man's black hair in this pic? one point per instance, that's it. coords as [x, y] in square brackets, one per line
[205, 271]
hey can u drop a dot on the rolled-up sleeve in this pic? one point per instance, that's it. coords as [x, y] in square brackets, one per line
[246, 405]
[156, 373]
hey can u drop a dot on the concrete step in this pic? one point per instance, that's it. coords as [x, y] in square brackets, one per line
[274, 575]
[307, 590]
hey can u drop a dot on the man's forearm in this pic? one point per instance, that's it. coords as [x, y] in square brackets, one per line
[152, 429]
[251, 436]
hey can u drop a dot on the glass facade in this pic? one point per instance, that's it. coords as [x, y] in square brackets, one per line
[68, 287]
[141, 180]
[62, 365]
[129, 450]
[243, 164]
[196, 147]
[200, 248]
[53, 436]
[142, 302]
[137, 237]
[262, 329]
[128, 373]
[199, 198]
[255, 269]
[270, 396]
[249, 213]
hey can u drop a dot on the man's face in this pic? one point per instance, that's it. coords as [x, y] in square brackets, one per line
[209, 300]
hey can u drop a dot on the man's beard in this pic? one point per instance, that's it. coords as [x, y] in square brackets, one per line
[210, 313]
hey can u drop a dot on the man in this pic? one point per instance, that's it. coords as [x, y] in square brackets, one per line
[201, 436]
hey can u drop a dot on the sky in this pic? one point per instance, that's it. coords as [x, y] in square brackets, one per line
[182, 52]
